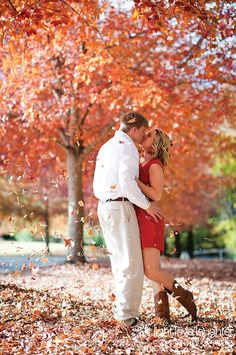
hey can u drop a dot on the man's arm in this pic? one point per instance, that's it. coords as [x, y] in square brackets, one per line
[128, 166]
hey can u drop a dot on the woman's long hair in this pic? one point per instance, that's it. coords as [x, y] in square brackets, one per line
[161, 146]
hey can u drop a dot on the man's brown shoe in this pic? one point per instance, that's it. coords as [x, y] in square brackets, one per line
[130, 322]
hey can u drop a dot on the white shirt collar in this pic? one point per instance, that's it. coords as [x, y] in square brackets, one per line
[124, 136]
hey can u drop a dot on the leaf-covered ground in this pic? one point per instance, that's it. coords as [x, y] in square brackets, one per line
[67, 309]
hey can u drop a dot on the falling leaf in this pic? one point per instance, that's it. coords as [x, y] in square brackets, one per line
[95, 266]
[93, 248]
[136, 14]
[35, 270]
[44, 260]
[69, 243]
[31, 266]
[90, 232]
[112, 296]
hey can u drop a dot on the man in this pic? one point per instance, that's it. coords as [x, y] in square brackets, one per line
[115, 186]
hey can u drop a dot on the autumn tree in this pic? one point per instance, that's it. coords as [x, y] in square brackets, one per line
[63, 90]
[62, 96]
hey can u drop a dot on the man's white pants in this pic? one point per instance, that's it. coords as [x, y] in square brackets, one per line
[121, 233]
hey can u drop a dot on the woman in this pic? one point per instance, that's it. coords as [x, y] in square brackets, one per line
[151, 180]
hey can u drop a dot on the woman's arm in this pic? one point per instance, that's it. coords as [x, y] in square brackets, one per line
[156, 177]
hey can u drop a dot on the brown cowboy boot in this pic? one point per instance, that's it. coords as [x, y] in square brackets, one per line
[185, 298]
[162, 310]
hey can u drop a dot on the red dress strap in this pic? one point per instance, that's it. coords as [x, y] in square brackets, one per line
[156, 161]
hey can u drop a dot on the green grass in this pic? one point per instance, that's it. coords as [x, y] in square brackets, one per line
[91, 237]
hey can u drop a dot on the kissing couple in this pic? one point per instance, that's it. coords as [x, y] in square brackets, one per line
[129, 191]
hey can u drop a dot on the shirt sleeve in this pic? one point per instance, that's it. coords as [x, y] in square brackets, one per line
[128, 172]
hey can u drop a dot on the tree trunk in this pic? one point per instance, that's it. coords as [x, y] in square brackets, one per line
[75, 204]
[47, 226]
[177, 244]
[190, 243]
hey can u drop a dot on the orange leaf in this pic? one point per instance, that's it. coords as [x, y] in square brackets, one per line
[95, 266]
[90, 231]
[69, 243]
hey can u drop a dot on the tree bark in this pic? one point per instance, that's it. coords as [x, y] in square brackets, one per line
[75, 204]
[47, 227]
[190, 243]
[177, 244]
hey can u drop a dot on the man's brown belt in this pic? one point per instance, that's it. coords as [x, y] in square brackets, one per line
[117, 199]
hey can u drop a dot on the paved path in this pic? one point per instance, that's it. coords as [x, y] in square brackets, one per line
[16, 255]
[12, 263]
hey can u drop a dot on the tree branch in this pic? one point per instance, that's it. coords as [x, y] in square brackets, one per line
[103, 134]
[86, 114]
[91, 104]
[57, 92]
[13, 7]
[95, 29]
[65, 140]
[193, 50]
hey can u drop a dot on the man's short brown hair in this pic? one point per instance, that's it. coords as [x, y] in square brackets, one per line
[133, 119]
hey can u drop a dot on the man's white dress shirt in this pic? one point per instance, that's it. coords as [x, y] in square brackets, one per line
[117, 167]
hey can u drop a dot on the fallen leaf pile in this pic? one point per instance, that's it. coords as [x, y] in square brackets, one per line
[67, 309]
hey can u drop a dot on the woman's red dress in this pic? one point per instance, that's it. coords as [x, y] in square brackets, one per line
[151, 232]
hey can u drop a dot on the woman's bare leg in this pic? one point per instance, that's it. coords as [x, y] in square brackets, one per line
[153, 270]
[156, 286]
